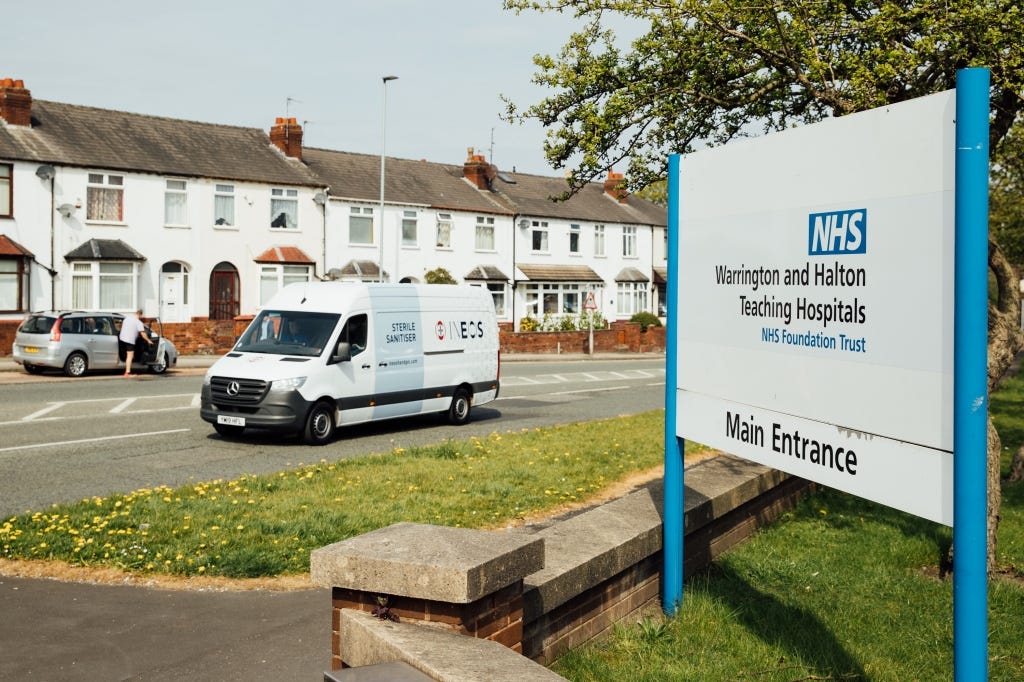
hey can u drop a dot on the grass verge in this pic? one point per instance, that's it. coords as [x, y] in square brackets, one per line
[840, 589]
[259, 526]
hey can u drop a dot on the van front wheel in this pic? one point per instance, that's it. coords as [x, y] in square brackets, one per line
[319, 425]
[458, 412]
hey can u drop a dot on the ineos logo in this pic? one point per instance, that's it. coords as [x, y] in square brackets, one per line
[232, 388]
[440, 330]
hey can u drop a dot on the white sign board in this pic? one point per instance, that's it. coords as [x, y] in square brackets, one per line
[815, 284]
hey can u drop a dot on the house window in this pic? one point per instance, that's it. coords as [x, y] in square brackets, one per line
[105, 198]
[484, 233]
[599, 240]
[409, 237]
[276, 276]
[176, 203]
[574, 239]
[360, 225]
[497, 291]
[629, 242]
[13, 285]
[224, 205]
[444, 230]
[540, 236]
[554, 299]
[107, 285]
[631, 298]
[6, 191]
[284, 208]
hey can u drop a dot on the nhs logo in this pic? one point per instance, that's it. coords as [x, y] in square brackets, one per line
[839, 232]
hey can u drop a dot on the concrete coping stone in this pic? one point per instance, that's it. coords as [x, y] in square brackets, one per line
[585, 549]
[439, 563]
[440, 654]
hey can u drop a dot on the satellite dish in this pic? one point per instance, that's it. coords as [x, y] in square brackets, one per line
[524, 223]
[45, 172]
[334, 273]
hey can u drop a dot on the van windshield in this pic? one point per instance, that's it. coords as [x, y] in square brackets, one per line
[286, 332]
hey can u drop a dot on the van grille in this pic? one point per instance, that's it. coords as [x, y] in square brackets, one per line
[237, 391]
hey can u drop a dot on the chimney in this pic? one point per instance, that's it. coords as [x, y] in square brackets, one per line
[615, 186]
[15, 102]
[286, 135]
[476, 169]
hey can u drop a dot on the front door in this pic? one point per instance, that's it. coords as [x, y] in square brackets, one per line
[174, 304]
[224, 304]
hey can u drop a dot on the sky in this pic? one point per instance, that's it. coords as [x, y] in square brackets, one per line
[321, 62]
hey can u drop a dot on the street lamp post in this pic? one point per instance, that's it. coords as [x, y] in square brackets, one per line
[383, 139]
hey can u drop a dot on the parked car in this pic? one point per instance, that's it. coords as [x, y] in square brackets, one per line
[81, 341]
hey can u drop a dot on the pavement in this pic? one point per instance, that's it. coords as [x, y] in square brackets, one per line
[68, 631]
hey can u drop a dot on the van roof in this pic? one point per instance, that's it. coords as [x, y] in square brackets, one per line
[340, 296]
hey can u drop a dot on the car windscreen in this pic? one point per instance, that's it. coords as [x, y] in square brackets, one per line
[286, 332]
[37, 324]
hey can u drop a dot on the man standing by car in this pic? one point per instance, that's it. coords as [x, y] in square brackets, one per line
[131, 329]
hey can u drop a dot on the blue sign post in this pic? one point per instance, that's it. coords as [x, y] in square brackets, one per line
[970, 388]
[672, 542]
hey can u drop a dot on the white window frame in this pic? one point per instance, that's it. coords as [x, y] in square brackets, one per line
[410, 229]
[499, 294]
[539, 237]
[554, 298]
[104, 285]
[629, 241]
[445, 233]
[224, 206]
[284, 201]
[14, 284]
[575, 240]
[631, 298]
[599, 234]
[100, 190]
[6, 190]
[176, 203]
[361, 217]
[276, 276]
[485, 238]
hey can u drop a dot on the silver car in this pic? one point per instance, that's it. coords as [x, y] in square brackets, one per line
[77, 342]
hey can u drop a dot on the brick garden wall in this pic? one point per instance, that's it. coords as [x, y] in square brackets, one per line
[215, 337]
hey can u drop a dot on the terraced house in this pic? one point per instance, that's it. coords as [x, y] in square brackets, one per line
[103, 209]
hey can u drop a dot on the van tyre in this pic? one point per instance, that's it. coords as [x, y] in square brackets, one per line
[319, 424]
[458, 412]
[76, 365]
[228, 430]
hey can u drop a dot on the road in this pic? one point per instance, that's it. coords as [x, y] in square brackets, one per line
[68, 439]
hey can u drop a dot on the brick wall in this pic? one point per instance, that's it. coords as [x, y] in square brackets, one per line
[216, 337]
[623, 337]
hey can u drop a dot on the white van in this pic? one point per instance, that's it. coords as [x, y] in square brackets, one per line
[326, 354]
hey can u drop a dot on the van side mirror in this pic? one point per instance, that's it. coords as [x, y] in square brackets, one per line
[342, 352]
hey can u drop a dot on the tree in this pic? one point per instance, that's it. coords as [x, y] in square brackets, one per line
[704, 72]
[439, 276]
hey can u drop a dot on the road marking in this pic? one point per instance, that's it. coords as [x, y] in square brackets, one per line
[45, 410]
[92, 440]
[582, 390]
[123, 406]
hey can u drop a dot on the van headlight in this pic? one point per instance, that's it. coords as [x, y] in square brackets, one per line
[292, 384]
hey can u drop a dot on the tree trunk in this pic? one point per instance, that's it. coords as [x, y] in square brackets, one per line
[1004, 344]
[995, 494]
[1017, 466]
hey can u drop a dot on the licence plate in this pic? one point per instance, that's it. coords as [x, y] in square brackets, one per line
[31, 349]
[230, 421]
